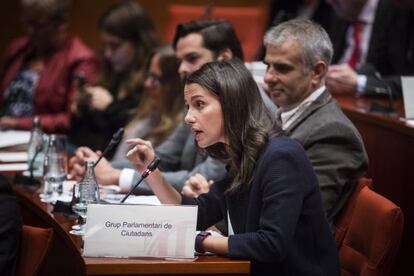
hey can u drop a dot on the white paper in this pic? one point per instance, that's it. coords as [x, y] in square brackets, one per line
[13, 167]
[410, 122]
[116, 198]
[67, 186]
[123, 230]
[13, 156]
[10, 138]
[408, 96]
[110, 189]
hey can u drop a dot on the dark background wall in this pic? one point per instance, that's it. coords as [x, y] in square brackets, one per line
[85, 13]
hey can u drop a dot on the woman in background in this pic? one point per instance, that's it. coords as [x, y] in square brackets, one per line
[271, 199]
[128, 39]
[38, 71]
[161, 107]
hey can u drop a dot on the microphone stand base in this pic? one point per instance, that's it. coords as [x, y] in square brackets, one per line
[379, 108]
[26, 181]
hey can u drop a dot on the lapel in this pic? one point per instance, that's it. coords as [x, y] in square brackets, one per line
[409, 66]
[323, 99]
[338, 37]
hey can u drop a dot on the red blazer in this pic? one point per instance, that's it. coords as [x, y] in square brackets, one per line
[55, 89]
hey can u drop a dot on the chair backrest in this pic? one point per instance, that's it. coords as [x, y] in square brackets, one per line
[373, 237]
[342, 222]
[64, 257]
[35, 245]
[249, 23]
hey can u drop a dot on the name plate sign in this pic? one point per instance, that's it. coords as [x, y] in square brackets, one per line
[116, 230]
[408, 96]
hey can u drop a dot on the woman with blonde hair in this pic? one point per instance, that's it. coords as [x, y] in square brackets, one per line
[161, 107]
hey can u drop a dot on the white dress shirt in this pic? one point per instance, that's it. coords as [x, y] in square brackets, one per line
[367, 16]
[288, 117]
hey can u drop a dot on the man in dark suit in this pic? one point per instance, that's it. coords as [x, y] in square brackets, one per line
[10, 228]
[373, 44]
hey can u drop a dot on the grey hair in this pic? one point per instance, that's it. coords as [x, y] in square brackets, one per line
[312, 38]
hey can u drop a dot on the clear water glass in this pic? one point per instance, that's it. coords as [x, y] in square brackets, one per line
[54, 168]
[82, 195]
[77, 229]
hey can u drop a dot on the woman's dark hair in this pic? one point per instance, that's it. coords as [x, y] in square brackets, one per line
[247, 123]
[129, 21]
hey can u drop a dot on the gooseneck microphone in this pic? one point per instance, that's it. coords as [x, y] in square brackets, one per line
[116, 138]
[151, 167]
[376, 107]
[386, 91]
[38, 149]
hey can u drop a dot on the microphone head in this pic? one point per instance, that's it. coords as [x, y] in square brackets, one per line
[116, 138]
[154, 164]
[151, 167]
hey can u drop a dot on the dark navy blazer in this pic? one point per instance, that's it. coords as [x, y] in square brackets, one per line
[279, 222]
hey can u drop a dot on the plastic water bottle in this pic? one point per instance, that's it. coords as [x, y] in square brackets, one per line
[35, 150]
[54, 169]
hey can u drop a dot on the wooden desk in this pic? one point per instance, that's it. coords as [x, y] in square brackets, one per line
[207, 265]
[389, 142]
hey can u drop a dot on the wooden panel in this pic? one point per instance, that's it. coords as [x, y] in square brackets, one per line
[210, 265]
[84, 16]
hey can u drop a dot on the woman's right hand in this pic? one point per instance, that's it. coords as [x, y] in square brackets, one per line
[77, 162]
[100, 98]
[141, 154]
[104, 172]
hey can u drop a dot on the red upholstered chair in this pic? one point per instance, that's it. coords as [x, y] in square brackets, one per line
[64, 258]
[34, 247]
[249, 22]
[372, 240]
[342, 222]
